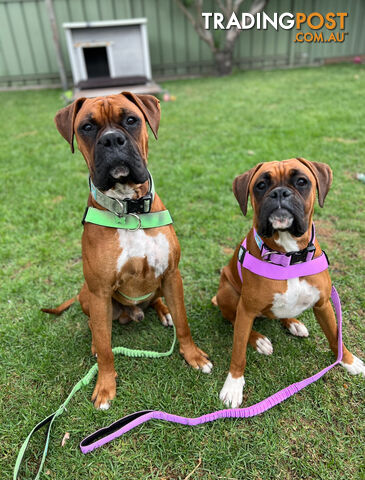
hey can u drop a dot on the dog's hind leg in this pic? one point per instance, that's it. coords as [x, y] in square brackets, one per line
[226, 298]
[83, 298]
[162, 312]
[260, 343]
[295, 327]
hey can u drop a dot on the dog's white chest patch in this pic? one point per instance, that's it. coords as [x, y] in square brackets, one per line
[140, 245]
[300, 296]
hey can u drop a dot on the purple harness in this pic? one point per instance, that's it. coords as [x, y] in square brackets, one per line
[296, 264]
[263, 268]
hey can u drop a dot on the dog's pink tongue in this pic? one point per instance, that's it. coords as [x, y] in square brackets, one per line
[281, 220]
[119, 172]
[282, 223]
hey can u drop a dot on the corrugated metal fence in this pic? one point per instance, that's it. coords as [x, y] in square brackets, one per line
[27, 54]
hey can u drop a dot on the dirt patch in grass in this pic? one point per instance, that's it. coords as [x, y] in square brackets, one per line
[21, 269]
[325, 229]
[340, 140]
[227, 250]
[75, 261]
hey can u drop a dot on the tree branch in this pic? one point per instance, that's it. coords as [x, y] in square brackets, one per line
[232, 34]
[228, 8]
[237, 5]
[257, 6]
[198, 25]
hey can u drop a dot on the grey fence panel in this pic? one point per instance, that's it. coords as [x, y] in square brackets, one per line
[27, 54]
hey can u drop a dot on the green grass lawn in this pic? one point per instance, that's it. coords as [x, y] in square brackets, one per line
[215, 130]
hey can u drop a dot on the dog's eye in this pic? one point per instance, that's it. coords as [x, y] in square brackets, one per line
[261, 186]
[301, 182]
[87, 127]
[131, 120]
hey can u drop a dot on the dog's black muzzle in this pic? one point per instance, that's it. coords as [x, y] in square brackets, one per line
[117, 159]
[282, 202]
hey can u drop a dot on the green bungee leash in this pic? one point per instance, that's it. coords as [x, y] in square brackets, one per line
[128, 352]
[127, 215]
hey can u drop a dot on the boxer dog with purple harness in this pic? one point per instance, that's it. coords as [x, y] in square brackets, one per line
[282, 196]
[279, 270]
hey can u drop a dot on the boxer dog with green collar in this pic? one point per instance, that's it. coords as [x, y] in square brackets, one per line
[130, 251]
[282, 197]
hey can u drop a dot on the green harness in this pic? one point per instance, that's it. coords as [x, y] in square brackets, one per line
[131, 221]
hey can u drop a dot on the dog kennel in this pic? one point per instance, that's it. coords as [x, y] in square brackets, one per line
[108, 56]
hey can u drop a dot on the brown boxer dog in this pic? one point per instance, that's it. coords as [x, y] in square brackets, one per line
[282, 196]
[118, 264]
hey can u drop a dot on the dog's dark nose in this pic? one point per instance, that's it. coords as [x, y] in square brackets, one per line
[280, 193]
[113, 139]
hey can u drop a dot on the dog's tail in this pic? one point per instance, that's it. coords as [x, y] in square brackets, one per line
[61, 308]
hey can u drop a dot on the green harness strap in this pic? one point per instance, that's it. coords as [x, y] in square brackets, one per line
[131, 221]
[135, 299]
[83, 382]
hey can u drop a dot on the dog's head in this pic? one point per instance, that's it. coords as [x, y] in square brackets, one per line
[111, 134]
[283, 194]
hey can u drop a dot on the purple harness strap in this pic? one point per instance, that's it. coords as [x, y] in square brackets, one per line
[120, 427]
[278, 272]
[286, 259]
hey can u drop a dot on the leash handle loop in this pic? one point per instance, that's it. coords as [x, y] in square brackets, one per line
[86, 379]
[123, 425]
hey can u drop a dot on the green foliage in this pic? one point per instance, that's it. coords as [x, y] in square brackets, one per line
[217, 128]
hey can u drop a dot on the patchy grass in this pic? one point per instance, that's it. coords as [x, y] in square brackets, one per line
[216, 129]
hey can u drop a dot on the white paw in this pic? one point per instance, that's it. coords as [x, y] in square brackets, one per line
[167, 320]
[298, 329]
[356, 367]
[207, 368]
[264, 346]
[231, 393]
[104, 406]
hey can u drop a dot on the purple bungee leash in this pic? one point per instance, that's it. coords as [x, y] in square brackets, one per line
[309, 267]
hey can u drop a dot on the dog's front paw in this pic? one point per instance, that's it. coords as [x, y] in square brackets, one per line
[357, 366]
[104, 391]
[231, 393]
[196, 358]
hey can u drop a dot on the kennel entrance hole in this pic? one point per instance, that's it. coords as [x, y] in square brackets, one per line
[96, 62]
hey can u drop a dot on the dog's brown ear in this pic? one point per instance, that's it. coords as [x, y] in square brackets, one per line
[149, 106]
[65, 120]
[241, 186]
[323, 175]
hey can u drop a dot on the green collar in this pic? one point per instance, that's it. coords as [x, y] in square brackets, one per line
[126, 214]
